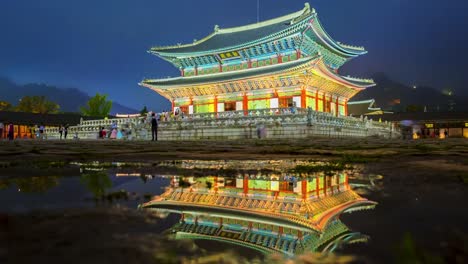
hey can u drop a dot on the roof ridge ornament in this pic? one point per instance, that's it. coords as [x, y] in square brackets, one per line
[216, 28]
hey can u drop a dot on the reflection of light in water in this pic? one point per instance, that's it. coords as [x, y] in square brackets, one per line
[276, 213]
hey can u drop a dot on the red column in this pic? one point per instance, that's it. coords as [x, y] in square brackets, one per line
[246, 184]
[346, 108]
[317, 188]
[182, 72]
[316, 101]
[336, 107]
[280, 58]
[338, 182]
[249, 64]
[280, 230]
[196, 70]
[303, 98]
[304, 189]
[182, 217]
[245, 104]
[172, 105]
[216, 184]
[324, 103]
[299, 234]
[298, 53]
[220, 67]
[216, 104]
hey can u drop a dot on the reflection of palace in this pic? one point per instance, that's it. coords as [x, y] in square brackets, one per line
[276, 213]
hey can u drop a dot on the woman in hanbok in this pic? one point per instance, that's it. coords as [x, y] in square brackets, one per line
[113, 133]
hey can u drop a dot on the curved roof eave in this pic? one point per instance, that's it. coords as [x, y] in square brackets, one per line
[179, 207]
[359, 86]
[171, 51]
[329, 41]
[234, 75]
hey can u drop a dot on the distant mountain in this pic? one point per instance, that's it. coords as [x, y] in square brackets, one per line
[69, 99]
[392, 95]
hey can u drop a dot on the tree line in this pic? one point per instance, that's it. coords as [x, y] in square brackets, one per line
[97, 106]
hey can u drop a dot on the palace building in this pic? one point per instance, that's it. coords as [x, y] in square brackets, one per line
[284, 213]
[289, 61]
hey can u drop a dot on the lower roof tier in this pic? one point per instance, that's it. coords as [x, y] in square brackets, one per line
[305, 73]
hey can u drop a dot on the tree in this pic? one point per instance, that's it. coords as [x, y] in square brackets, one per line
[37, 104]
[144, 111]
[97, 106]
[5, 106]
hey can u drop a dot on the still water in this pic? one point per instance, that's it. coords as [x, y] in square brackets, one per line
[253, 207]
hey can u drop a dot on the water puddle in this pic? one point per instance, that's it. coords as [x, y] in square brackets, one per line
[252, 207]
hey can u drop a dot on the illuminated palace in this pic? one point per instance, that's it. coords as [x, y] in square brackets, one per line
[270, 213]
[283, 62]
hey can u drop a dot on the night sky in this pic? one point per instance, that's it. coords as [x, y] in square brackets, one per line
[100, 45]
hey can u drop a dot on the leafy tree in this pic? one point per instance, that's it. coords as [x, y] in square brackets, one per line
[37, 104]
[97, 183]
[144, 111]
[5, 106]
[97, 106]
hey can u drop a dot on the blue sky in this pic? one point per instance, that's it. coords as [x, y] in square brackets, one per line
[100, 46]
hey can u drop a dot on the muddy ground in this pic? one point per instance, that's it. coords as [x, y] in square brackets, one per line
[422, 215]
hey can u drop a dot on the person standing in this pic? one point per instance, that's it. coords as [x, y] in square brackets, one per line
[41, 131]
[11, 131]
[65, 131]
[2, 126]
[61, 131]
[154, 127]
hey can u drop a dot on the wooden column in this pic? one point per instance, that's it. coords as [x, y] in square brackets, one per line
[324, 102]
[245, 104]
[246, 184]
[196, 70]
[304, 189]
[249, 63]
[316, 100]
[337, 107]
[280, 58]
[298, 54]
[346, 108]
[216, 104]
[172, 105]
[182, 72]
[317, 186]
[303, 98]
[220, 67]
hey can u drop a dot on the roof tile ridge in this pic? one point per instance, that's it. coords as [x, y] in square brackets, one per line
[217, 30]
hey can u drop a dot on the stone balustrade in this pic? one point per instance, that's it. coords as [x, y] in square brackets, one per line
[278, 123]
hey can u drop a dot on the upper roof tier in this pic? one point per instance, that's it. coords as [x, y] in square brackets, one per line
[243, 37]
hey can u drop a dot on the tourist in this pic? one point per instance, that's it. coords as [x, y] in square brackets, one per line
[154, 127]
[2, 126]
[41, 131]
[113, 131]
[65, 131]
[61, 131]
[11, 131]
